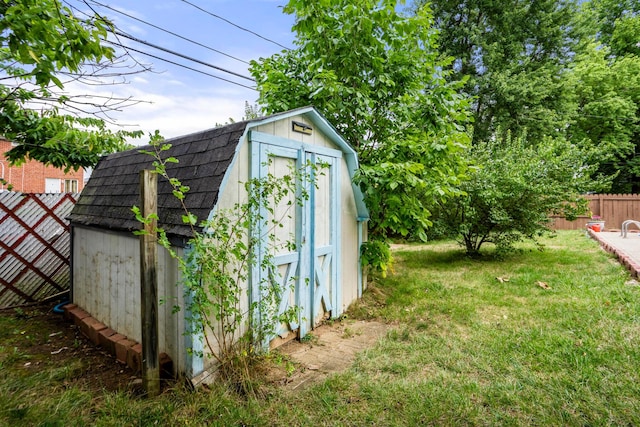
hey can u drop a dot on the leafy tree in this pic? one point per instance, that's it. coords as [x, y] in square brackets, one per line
[375, 74]
[514, 54]
[515, 187]
[606, 94]
[615, 21]
[42, 43]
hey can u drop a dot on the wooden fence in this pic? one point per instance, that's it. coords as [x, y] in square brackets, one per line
[34, 246]
[612, 208]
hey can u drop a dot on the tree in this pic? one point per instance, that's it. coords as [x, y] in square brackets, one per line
[603, 86]
[514, 54]
[375, 74]
[606, 93]
[41, 44]
[515, 187]
[615, 22]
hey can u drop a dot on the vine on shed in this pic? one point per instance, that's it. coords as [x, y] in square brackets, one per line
[222, 253]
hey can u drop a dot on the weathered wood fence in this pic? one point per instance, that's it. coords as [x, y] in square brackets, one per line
[34, 246]
[612, 208]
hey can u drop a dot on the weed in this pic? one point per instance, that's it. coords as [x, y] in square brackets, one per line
[309, 339]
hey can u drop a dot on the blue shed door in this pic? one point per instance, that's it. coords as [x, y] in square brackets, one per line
[307, 275]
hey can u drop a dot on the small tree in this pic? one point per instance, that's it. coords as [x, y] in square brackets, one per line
[514, 189]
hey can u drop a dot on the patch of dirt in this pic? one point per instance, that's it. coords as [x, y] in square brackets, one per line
[329, 348]
[44, 339]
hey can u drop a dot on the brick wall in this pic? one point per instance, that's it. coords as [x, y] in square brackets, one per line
[31, 176]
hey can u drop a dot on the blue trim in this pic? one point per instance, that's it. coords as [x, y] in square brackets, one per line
[265, 153]
[253, 284]
[336, 233]
[313, 257]
[279, 141]
[301, 247]
[321, 124]
[360, 275]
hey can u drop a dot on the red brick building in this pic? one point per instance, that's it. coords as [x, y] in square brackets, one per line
[34, 177]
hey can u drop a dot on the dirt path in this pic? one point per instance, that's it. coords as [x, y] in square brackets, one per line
[332, 348]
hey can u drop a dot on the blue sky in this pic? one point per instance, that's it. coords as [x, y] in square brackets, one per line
[184, 101]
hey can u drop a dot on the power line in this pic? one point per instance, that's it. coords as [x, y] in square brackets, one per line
[172, 52]
[170, 32]
[180, 65]
[121, 34]
[234, 24]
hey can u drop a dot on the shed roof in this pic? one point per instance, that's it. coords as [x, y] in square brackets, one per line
[113, 188]
[204, 158]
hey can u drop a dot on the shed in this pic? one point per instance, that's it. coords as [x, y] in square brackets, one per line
[329, 228]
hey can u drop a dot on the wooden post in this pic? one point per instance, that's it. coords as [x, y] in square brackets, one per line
[149, 284]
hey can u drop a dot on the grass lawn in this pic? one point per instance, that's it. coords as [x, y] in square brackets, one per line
[465, 349]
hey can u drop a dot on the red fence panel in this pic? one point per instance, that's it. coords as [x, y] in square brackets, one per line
[34, 246]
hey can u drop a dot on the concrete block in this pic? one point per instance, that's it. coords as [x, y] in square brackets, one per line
[77, 315]
[86, 325]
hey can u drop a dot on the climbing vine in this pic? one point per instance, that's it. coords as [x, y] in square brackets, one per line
[233, 248]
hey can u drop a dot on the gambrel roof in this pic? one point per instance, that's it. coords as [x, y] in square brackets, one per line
[204, 158]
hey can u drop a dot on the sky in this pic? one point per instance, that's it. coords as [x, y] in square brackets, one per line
[179, 101]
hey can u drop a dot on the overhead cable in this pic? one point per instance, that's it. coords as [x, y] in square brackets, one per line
[172, 52]
[180, 65]
[234, 24]
[169, 32]
[119, 33]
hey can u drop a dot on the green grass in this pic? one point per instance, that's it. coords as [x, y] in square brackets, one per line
[463, 349]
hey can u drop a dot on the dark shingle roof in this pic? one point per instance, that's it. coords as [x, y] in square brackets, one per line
[113, 188]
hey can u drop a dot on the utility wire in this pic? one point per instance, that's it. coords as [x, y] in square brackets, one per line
[170, 32]
[172, 52]
[234, 24]
[180, 65]
[121, 34]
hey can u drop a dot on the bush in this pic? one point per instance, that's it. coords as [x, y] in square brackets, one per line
[513, 190]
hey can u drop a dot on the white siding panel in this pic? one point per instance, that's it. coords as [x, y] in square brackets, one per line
[349, 241]
[106, 285]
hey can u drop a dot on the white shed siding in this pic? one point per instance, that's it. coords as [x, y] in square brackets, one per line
[283, 129]
[106, 283]
[349, 241]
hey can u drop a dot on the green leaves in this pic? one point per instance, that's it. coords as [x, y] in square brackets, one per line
[39, 39]
[377, 76]
[606, 95]
[48, 37]
[515, 189]
[514, 55]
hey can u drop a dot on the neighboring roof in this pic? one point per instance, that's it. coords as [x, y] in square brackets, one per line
[114, 188]
[204, 159]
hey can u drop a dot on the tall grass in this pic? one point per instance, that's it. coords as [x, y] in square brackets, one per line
[464, 349]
